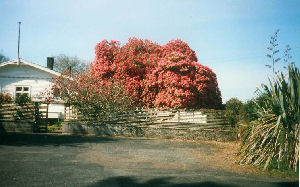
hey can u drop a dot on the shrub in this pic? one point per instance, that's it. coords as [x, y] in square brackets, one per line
[249, 111]
[18, 115]
[5, 98]
[22, 100]
[232, 110]
[95, 100]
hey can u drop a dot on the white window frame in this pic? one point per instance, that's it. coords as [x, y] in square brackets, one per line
[22, 90]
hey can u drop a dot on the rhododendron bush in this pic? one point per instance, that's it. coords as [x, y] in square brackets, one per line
[141, 74]
[166, 76]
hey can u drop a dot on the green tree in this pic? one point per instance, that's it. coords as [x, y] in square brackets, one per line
[3, 58]
[66, 63]
[232, 110]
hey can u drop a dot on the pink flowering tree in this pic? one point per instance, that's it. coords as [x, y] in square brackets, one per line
[93, 98]
[167, 76]
[140, 73]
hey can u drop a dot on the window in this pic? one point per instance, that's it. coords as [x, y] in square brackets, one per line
[22, 90]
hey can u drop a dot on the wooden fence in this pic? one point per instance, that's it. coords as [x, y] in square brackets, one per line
[154, 123]
[13, 112]
[29, 112]
[153, 118]
[31, 117]
[157, 118]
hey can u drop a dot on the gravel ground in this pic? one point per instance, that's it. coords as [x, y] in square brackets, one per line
[61, 160]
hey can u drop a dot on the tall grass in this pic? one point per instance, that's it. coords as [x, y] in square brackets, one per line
[273, 139]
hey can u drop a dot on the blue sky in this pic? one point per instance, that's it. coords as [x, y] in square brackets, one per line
[231, 37]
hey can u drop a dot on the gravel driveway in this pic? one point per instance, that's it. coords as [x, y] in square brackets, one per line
[61, 160]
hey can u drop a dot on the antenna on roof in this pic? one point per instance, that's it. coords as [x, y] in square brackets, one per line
[19, 44]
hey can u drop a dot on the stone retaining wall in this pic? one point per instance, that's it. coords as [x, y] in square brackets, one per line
[83, 128]
[16, 126]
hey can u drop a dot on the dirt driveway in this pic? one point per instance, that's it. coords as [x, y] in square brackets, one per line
[59, 160]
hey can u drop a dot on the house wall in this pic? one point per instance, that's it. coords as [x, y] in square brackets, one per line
[23, 75]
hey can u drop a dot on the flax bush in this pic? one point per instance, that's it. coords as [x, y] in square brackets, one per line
[273, 139]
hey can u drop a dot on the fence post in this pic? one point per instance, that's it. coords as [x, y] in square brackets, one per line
[65, 111]
[36, 113]
[193, 115]
[47, 117]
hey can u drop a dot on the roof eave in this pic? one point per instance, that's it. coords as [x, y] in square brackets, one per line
[15, 62]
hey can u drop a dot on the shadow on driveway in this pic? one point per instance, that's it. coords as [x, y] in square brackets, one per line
[16, 139]
[126, 181]
[132, 182]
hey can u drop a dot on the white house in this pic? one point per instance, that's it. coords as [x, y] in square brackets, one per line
[23, 77]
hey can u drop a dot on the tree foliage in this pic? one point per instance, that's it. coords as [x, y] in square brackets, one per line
[140, 73]
[65, 63]
[167, 76]
[3, 58]
[95, 100]
[233, 109]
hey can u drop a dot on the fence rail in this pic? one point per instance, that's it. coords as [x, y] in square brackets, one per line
[13, 112]
[154, 118]
[30, 112]
[176, 119]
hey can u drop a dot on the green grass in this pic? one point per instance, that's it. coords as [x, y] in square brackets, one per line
[290, 173]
